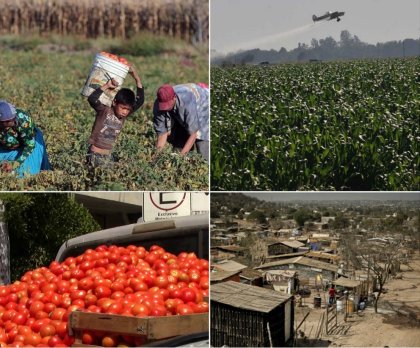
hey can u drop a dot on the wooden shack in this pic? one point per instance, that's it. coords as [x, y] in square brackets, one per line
[284, 247]
[252, 277]
[307, 268]
[219, 276]
[243, 315]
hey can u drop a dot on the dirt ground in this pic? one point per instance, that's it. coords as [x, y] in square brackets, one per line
[397, 323]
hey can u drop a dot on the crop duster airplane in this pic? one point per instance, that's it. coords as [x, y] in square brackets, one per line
[328, 16]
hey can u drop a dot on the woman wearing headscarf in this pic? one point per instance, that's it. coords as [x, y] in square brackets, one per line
[22, 146]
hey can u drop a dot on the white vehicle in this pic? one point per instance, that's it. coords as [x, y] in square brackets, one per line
[185, 233]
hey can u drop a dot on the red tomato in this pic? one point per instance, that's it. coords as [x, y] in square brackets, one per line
[117, 294]
[158, 310]
[86, 283]
[41, 315]
[127, 281]
[104, 303]
[36, 326]
[57, 314]
[61, 329]
[54, 341]
[115, 308]
[188, 295]
[171, 305]
[109, 341]
[4, 291]
[140, 310]
[19, 318]
[94, 309]
[88, 338]
[49, 307]
[194, 275]
[3, 337]
[161, 282]
[47, 330]
[77, 274]
[102, 291]
[88, 263]
[90, 299]
[32, 339]
[8, 315]
[184, 309]
[78, 303]
[24, 330]
[202, 307]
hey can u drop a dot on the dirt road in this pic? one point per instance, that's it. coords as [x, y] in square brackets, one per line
[396, 325]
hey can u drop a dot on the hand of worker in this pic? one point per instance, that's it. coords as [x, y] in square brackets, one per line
[111, 84]
[133, 72]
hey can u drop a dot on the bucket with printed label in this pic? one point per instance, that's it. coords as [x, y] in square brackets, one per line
[103, 69]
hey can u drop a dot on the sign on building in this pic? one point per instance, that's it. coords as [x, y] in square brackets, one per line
[200, 203]
[167, 205]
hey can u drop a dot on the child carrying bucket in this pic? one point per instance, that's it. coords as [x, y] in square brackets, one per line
[109, 120]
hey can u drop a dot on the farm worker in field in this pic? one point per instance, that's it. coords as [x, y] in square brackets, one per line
[181, 117]
[110, 120]
[22, 146]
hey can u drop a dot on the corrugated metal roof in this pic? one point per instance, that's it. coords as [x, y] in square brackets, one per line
[283, 272]
[348, 283]
[230, 247]
[229, 265]
[323, 255]
[247, 297]
[249, 273]
[289, 255]
[221, 275]
[301, 260]
[293, 243]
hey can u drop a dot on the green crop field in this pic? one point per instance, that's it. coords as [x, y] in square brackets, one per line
[316, 126]
[48, 84]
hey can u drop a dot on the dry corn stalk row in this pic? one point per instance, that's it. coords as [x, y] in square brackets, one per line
[183, 19]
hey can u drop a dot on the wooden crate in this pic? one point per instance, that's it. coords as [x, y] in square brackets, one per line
[152, 328]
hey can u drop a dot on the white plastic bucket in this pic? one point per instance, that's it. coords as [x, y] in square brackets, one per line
[104, 69]
[339, 305]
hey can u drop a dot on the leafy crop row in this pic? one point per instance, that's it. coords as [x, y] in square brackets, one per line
[323, 126]
[48, 86]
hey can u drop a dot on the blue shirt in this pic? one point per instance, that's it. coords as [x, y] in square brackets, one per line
[191, 111]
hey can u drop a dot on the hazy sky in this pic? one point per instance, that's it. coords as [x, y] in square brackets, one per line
[320, 196]
[272, 24]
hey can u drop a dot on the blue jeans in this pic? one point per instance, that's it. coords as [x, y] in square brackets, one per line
[36, 161]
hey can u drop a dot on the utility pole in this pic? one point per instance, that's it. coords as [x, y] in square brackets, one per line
[4, 249]
[368, 274]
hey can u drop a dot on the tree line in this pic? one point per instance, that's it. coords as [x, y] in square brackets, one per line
[349, 47]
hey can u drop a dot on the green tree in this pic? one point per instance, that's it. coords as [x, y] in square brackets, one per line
[301, 216]
[235, 210]
[340, 222]
[258, 216]
[39, 224]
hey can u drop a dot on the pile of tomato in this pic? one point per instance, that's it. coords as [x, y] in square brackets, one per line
[130, 281]
[115, 57]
